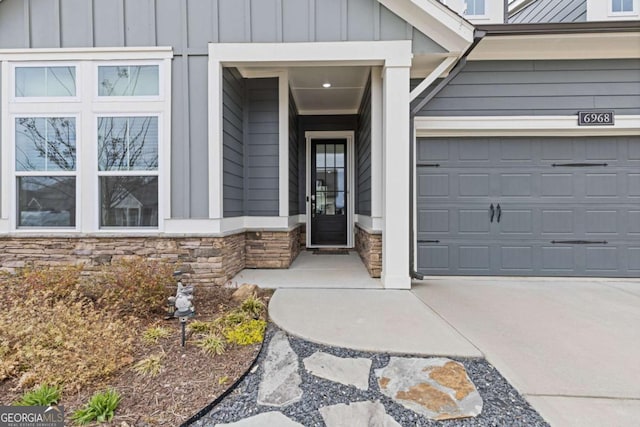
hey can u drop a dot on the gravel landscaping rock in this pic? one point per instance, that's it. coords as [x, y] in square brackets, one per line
[502, 405]
[266, 419]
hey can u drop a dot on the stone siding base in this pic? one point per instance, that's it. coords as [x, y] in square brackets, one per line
[369, 247]
[213, 260]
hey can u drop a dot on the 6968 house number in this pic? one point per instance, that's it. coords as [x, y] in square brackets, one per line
[595, 118]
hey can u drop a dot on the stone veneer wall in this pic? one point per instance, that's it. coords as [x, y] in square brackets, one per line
[211, 259]
[369, 247]
[272, 249]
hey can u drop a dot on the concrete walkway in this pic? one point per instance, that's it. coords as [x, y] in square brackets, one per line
[313, 271]
[571, 347]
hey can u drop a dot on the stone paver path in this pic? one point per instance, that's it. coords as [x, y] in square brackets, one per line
[359, 414]
[348, 371]
[280, 385]
[298, 383]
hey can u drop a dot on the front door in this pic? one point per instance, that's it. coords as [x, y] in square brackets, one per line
[328, 192]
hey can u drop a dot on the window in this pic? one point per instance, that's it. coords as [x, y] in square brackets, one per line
[128, 169]
[474, 8]
[45, 81]
[621, 6]
[137, 80]
[45, 155]
[86, 140]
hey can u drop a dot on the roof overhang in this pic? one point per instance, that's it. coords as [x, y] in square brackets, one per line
[597, 40]
[435, 20]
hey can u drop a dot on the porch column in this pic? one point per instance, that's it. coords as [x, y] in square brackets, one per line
[395, 165]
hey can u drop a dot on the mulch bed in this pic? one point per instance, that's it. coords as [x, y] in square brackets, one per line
[189, 379]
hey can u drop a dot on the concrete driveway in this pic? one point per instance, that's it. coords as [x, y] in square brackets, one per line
[570, 346]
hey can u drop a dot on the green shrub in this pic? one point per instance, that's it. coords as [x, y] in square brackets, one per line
[231, 319]
[253, 306]
[101, 408]
[150, 366]
[44, 395]
[246, 333]
[154, 334]
[212, 345]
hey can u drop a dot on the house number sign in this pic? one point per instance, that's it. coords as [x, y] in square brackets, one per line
[595, 118]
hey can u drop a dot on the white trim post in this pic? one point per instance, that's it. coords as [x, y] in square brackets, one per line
[376, 148]
[215, 138]
[396, 146]
[283, 142]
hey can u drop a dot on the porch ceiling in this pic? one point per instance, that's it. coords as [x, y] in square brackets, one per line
[343, 97]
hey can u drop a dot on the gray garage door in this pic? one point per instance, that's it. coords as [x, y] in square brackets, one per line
[529, 206]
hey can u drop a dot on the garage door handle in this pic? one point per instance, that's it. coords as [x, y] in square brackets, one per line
[491, 213]
[499, 213]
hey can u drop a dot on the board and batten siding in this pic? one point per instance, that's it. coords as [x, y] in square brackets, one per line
[363, 154]
[261, 148]
[188, 26]
[515, 88]
[233, 89]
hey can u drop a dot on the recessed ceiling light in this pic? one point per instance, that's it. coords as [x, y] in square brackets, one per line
[326, 85]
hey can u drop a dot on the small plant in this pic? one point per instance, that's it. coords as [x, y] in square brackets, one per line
[198, 326]
[253, 306]
[44, 395]
[101, 408]
[230, 319]
[212, 345]
[154, 334]
[150, 366]
[246, 333]
[223, 380]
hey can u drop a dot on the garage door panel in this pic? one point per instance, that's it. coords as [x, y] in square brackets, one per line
[517, 258]
[558, 259]
[575, 192]
[633, 180]
[517, 221]
[516, 184]
[557, 185]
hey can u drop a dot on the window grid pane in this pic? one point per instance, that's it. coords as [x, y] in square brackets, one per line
[128, 201]
[137, 80]
[46, 201]
[45, 144]
[45, 81]
[127, 143]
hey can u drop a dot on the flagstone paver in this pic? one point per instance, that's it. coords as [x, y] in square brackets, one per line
[358, 414]
[266, 419]
[437, 388]
[348, 371]
[280, 385]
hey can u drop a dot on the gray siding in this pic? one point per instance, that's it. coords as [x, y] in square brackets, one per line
[317, 123]
[187, 26]
[363, 154]
[233, 142]
[294, 209]
[548, 11]
[262, 149]
[540, 88]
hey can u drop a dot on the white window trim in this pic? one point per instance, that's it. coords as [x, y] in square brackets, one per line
[349, 136]
[13, 183]
[485, 15]
[86, 108]
[632, 12]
